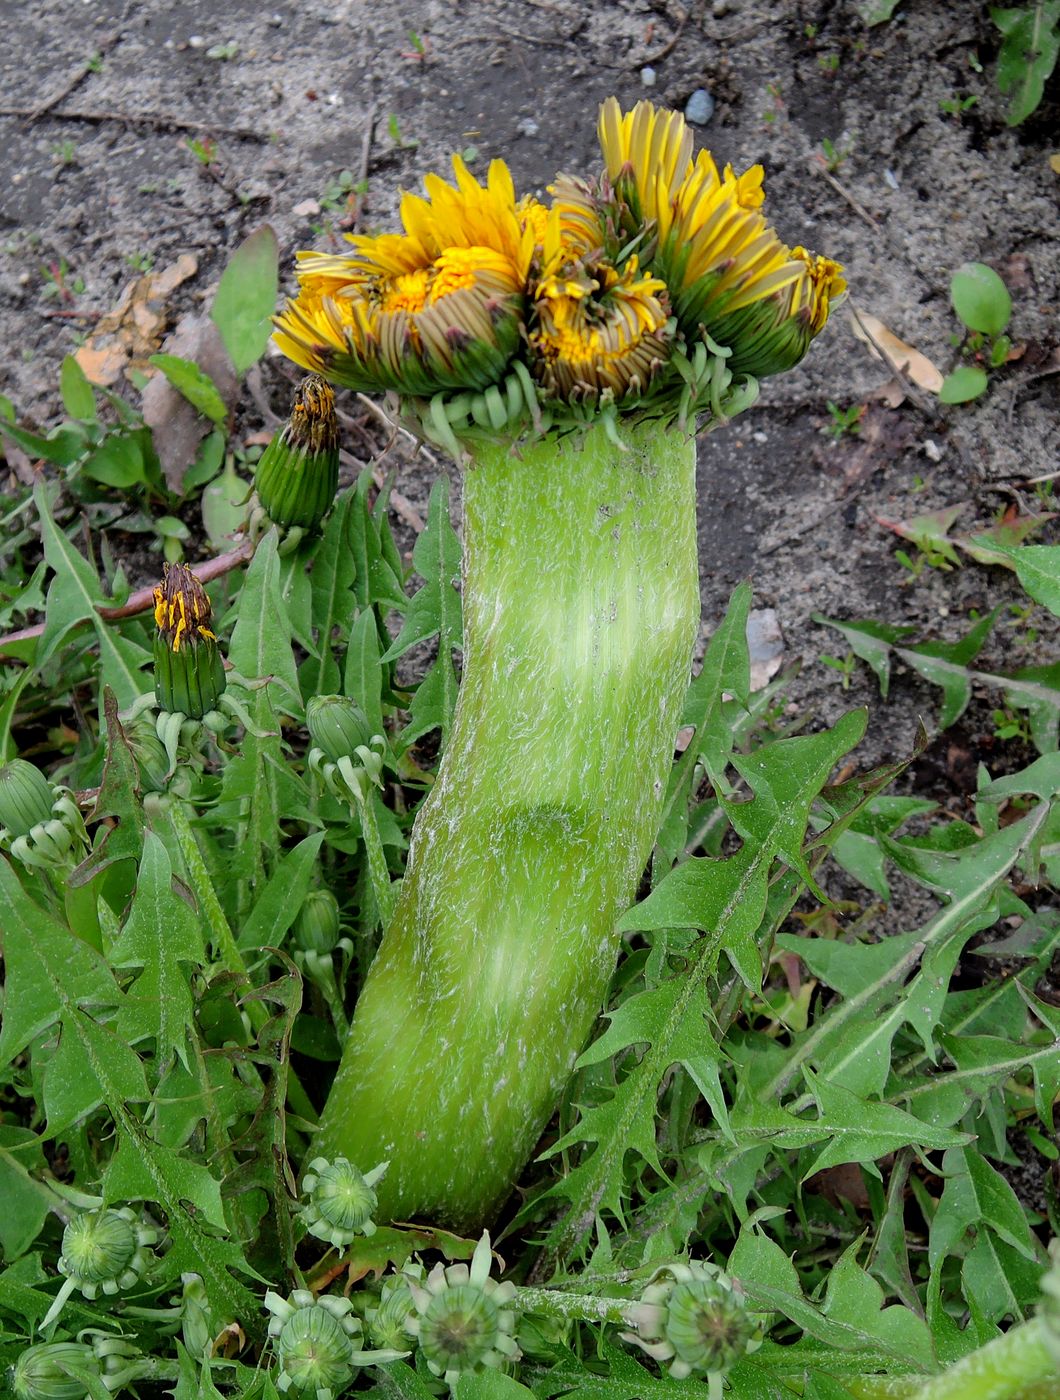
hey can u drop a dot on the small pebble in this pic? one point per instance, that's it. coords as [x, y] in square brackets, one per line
[891, 178]
[526, 126]
[760, 437]
[931, 450]
[195, 41]
[720, 8]
[647, 76]
[275, 21]
[699, 108]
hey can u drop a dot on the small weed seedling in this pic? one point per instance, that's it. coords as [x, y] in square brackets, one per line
[982, 303]
[844, 420]
[59, 282]
[956, 106]
[64, 153]
[833, 153]
[394, 132]
[846, 666]
[772, 112]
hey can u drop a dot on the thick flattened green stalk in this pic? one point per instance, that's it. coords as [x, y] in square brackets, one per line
[581, 606]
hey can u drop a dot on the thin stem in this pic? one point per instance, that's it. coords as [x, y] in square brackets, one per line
[383, 887]
[227, 947]
[581, 1307]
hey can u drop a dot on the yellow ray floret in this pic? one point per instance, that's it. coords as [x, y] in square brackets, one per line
[435, 307]
[596, 330]
[647, 154]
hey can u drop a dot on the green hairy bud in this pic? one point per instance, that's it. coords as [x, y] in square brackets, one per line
[340, 1200]
[26, 797]
[298, 473]
[316, 929]
[51, 1371]
[337, 726]
[106, 1250]
[694, 1317]
[317, 1343]
[464, 1320]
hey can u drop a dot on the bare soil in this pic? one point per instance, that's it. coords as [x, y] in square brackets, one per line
[97, 177]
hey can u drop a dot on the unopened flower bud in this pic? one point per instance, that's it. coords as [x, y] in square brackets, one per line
[51, 1371]
[189, 673]
[388, 1319]
[26, 797]
[317, 1343]
[105, 1250]
[316, 929]
[694, 1317]
[464, 1319]
[298, 473]
[337, 726]
[340, 1200]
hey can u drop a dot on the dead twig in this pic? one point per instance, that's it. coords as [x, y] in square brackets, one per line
[858, 209]
[668, 48]
[143, 599]
[89, 66]
[159, 120]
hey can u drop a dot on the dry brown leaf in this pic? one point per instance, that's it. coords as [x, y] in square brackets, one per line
[904, 357]
[131, 331]
[1054, 163]
[176, 426]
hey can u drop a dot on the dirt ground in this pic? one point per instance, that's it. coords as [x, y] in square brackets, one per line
[283, 97]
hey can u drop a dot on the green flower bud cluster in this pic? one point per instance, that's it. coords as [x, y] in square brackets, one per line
[345, 752]
[694, 1317]
[298, 473]
[340, 1200]
[317, 1343]
[40, 825]
[464, 1320]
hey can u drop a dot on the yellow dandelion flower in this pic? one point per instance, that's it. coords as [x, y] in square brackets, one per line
[710, 244]
[647, 154]
[436, 307]
[596, 330]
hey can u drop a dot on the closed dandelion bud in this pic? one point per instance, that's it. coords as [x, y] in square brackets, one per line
[694, 1317]
[388, 1319]
[298, 473]
[26, 797]
[316, 929]
[189, 673]
[337, 726]
[317, 1343]
[340, 1200]
[105, 1250]
[464, 1320]
[50, 1372]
